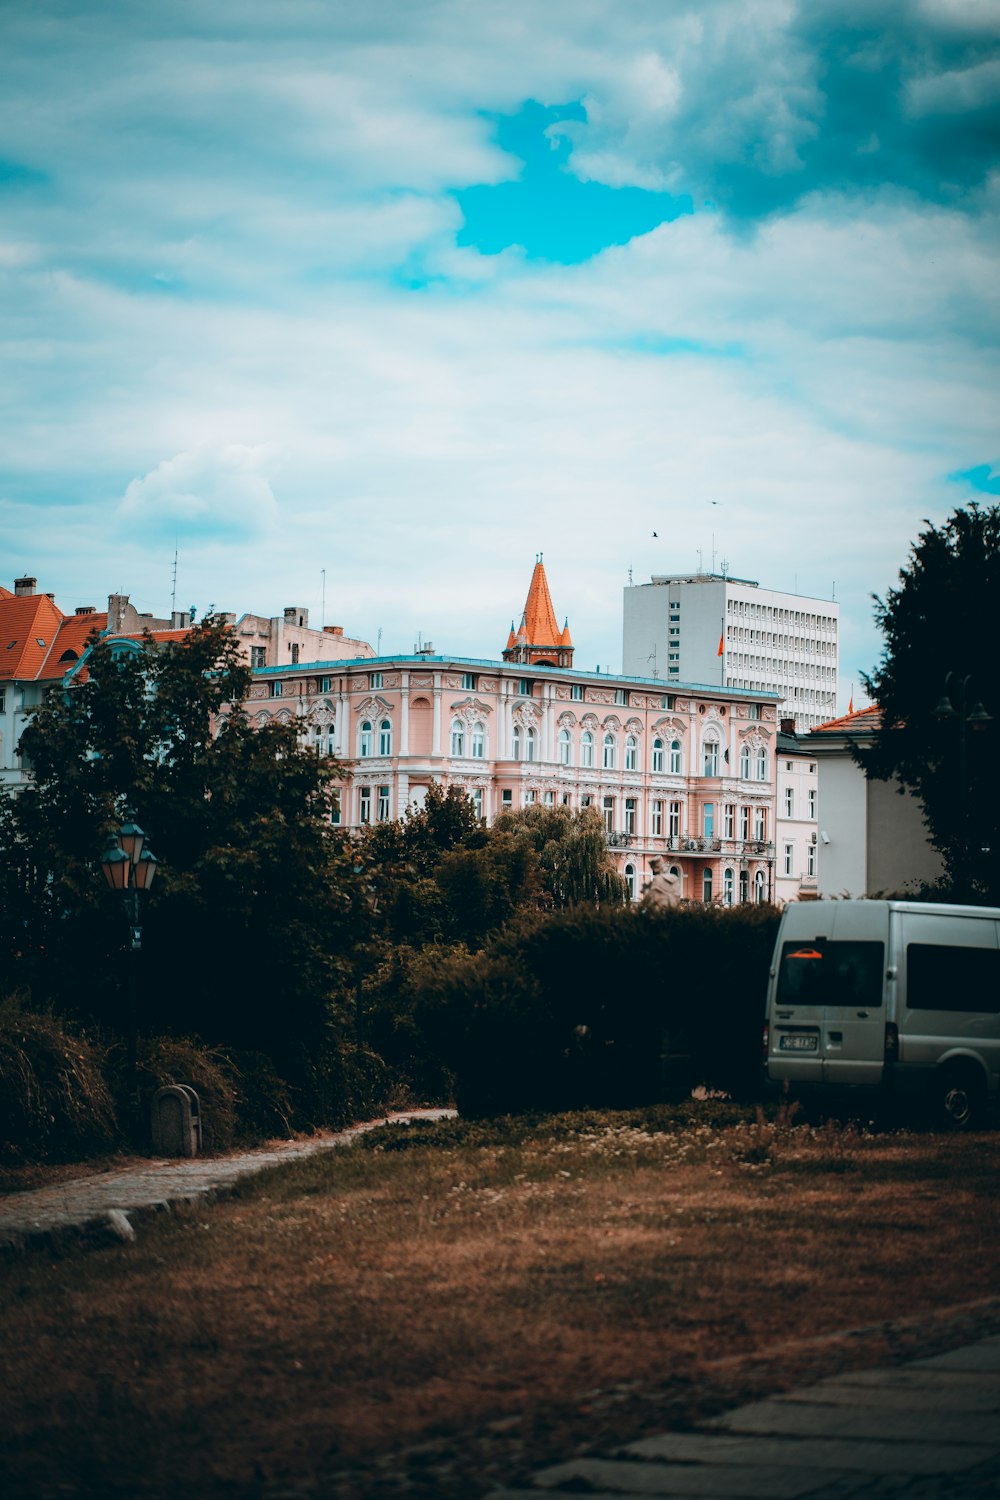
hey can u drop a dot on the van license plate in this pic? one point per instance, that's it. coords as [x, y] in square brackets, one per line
[797, 1042]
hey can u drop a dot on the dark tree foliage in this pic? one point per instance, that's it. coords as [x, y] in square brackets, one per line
[941, 620]
[249, 925]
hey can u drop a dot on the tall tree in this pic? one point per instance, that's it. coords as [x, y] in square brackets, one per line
[939, 627]
[257, 903]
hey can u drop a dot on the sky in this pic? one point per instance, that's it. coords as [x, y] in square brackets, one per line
[361, 307]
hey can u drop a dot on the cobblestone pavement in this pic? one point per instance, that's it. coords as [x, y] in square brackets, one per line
[925, 1430]
[108, 1202]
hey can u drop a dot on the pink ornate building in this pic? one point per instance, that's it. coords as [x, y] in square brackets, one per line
[688, 773]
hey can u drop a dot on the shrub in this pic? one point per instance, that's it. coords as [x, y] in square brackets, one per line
[54, 1102]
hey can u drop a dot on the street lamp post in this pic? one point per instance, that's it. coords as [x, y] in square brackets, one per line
[975, 719]
[129, 867]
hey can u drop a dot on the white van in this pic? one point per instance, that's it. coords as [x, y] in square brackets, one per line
[896, 994]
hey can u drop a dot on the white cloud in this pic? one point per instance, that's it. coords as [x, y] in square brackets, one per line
[204, 494]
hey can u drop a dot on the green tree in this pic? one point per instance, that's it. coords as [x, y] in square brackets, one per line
[250, 924]
[572, 853]
[938, 627]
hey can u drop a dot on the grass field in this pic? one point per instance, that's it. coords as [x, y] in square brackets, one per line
[443, 1305]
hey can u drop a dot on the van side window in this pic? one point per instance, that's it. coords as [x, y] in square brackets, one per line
[819, 972]
[939, 977]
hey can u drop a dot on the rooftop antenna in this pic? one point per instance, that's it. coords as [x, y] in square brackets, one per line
[173, 591]
[724, 566]
[630, 577]
[378, 642]
[322, 612]
[713, 551]
[699, 559]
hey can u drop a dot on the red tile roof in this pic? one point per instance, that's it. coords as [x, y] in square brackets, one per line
[861, 718]
[29, 624]
[539, 624]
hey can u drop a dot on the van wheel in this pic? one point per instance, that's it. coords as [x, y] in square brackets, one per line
[961, 1099]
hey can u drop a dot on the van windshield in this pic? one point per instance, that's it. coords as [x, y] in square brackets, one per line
[820, 972]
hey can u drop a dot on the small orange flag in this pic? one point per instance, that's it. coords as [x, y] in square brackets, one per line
[850, 706]
[720, 650]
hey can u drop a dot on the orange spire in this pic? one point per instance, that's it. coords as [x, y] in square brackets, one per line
[539, 638]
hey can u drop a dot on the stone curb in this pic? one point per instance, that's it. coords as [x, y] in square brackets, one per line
[108, 1206]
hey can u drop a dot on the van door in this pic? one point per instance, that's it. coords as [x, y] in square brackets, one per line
[828, 1017]
[950, 989]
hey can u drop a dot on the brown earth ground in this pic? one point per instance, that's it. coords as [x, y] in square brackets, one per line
[444, 1307]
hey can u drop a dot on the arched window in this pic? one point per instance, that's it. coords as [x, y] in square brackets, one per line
[609, 751]
[564, 744]
[745, 763]
[586, 748]
[706, 884]
[515, 742]
[631, 754]
[759, 887]
[762, 764]
[728, 887]
[385, 738]
[365, 747]
[657, 755]
[529, 744]
[675, 758]
[457, 737]
[478, 740]
[711, 757]
[630, 881]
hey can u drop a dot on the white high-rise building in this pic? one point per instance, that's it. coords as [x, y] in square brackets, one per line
[729, 632]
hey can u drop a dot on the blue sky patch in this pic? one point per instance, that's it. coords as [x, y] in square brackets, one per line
[982, 477]
[551, 214]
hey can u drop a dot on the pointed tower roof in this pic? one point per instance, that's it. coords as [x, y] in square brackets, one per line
[539, 637]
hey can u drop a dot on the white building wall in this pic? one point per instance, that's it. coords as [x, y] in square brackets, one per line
[772, 641]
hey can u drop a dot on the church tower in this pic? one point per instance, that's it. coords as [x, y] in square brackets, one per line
[539, 641]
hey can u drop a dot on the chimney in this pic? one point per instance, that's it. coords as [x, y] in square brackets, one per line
[787, 726]
[85, 609]
[24, 586]
[333, 629]
[180, 619]
[295, 614]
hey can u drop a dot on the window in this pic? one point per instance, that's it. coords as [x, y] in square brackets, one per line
[469, 681]
[631, 754]
[457, 737]
[744, 823]
[530, 798]
[675, 820]
[586, 800]
[564, 747]
[516, 748]
[676, 761]
[657, 755]
[295, 655]
[587, 748]
[656, 819]
[811, 800]
[760, 822]
[744, 885]
[759, 888]
[550, 799]
[939, 977]
[789, 854]
[668, 701]
[608, 760]
[708, 820]
[506, 799]
[609, 814]
[711, 757]
[789, 802]
[277, 689]
[811, 860]
[383, 804]
[630, 815]
[753, 712]
[621, 697]
[630, 881]
[477, 803]
[258, 656]
[524, 686]
[729, 825]
[706, 884]
[324, 684]
[365, 741]
[745, 763]
[762, 764]
[478, 740]
[820, 972]
[374, 679]
[385, 738]
[529, 744]
[728, 887]
[335, 810]
[365, 805]
[576, 692]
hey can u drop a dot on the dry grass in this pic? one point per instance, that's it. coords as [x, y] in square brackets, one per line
[495, 1292]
